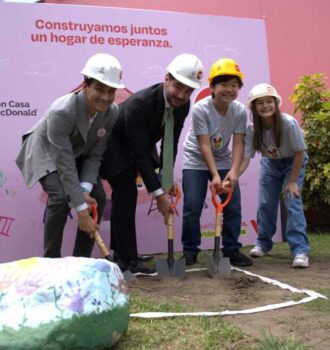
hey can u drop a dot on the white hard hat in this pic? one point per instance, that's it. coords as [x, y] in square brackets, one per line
[187, 69]
[104, 68]
[263, 90]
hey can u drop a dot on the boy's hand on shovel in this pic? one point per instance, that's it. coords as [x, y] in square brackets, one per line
[216, 183]
[224, 188]
[232, 177]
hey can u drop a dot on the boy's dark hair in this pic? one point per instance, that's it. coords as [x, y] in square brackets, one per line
[258, 128]
[224, 78]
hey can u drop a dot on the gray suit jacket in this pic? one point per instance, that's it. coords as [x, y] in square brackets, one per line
[62, 135]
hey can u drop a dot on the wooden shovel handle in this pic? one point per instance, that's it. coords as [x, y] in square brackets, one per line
[170, 231]
[218, 209]
[98, 239]
[218, 224]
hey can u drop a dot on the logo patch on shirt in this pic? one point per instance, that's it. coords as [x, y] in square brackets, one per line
[216, 142]
[101, 132]
[273, 152]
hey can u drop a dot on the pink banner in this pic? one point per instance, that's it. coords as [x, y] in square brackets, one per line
[43, 49]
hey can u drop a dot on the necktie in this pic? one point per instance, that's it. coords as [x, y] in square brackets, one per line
[167, 173]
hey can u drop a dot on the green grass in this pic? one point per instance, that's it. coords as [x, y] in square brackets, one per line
[320, 244]
[181, 332]
[320, 305]
[269, 342]
[214, 332]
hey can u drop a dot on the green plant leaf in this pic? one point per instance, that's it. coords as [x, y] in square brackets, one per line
[311, 99]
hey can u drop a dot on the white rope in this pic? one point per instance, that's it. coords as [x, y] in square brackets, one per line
[311, 295]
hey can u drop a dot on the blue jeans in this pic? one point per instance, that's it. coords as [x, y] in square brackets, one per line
[274, 175]
[195, 184]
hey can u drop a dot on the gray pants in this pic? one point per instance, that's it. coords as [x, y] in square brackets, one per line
[56, 215]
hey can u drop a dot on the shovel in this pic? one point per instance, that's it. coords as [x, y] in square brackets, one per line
[171, 267]
[129, 277]
[216, 265]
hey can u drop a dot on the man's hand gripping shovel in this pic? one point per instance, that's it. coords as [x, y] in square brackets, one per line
[129, 277]
[171, 267]
[218, 266]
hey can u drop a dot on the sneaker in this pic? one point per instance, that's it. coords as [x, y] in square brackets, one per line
[300, 260]
[191, 258]
[135, 266]
[238, 259]
[257, 252]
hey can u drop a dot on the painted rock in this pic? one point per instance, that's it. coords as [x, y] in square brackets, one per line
[67, 303]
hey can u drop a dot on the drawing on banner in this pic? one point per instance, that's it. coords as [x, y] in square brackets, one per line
[5, 225]
[42, 69]
[3, 178]
[255, 226]
[3, 61]
[153, 71]
[244, 229]
[214, 49]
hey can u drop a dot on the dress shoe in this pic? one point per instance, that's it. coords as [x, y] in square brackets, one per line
[191, 258]
[135, 266]
[238, 259]
[141, 258]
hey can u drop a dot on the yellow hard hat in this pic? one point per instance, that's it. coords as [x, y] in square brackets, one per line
[225, 66]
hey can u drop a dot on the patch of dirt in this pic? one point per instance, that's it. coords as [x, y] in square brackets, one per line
[199, 292]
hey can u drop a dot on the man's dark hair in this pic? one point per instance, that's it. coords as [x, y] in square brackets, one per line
[170, 76]
[88, 80]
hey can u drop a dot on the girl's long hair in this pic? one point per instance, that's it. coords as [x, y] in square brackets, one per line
[258, 127]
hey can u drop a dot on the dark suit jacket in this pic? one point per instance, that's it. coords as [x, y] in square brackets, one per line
[136, 132]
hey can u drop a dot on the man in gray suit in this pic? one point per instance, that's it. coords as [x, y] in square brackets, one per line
[63, 151]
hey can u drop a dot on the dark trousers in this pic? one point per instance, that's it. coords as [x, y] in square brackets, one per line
[123, 208]
[56, 216]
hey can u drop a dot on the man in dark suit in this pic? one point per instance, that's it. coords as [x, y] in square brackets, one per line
[63, 151]
[131, 150]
